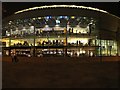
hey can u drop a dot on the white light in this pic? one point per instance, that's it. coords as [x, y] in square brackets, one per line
[51, 52]
[45, 49]
[91, 53]
[29, 55]
[39, 17]
[81, 51]
[59, 52]
[46, 26]
[9, 23]
[33, 18]
[71, 53]
[78, 54]
[61, 16]
[66, 17]
[32, 27]
[84, 41]
[16, 29]
[8, 34]
[47, 17]
[24, 28]
[57, 25]
[57, 21]
[54, 6]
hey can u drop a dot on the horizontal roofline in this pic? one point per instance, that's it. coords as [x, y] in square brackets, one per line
[57, 6]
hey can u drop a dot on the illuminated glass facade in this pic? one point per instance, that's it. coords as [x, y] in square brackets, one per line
[72, 36]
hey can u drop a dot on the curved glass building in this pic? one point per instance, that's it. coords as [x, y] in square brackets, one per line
[61, 30]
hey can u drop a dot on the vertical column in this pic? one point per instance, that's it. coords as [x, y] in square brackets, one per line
[9, 47]
[1, 67]
[100, 47]
[34, 42]
[100, 50]
[118, 42]
[118, 47]
[107, 46]
[65, 41]
[96, 48]
[10, 43]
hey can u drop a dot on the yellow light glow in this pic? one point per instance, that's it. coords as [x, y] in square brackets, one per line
[5, 40]
[74, 40]
[64, 42]
[65, 30]
[72, 17]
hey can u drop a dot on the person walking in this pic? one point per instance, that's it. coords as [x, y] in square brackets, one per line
[14, 58]
[12, 55]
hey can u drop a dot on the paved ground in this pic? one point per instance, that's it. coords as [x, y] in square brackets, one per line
[60, 74]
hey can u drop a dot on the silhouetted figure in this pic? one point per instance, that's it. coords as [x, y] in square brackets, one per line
[25, 43]
[53, 42]
[91, 28]
[89, 42]
[77, 42]
[37, 33]
[72, 30]
[43, 43]
[56, 42]
[14, 58]
[69, 30]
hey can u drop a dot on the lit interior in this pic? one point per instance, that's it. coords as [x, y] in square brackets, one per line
[82, 40]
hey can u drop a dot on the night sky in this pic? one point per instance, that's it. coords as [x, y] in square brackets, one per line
[9, 8]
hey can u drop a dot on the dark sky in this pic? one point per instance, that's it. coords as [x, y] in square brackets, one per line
[9, 8]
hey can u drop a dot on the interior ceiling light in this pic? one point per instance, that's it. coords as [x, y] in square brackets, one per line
[72, 17]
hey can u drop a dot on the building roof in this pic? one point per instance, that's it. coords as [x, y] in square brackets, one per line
[107, 21]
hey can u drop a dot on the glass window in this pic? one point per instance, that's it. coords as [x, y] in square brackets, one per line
[22, 42]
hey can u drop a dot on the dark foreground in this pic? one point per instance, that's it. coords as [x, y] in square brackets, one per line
[60, 74]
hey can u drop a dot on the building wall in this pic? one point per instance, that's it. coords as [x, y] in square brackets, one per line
[106, 29]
